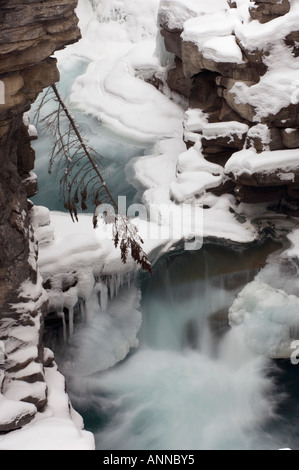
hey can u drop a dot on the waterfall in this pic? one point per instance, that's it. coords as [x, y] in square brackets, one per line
[192, 383]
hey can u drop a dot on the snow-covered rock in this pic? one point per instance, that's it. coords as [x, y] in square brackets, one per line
[243, 56]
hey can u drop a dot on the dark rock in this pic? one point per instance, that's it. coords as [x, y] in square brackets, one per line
[256, 140]
[278, 177]
[177, 81]
[220, 157]
[292, 40]
[290, 138]
[29, 34]
[172, 39]
[17, 423]
[204, 95]
[226, 187]
[268, 10]
[156, 82]
[254, 195]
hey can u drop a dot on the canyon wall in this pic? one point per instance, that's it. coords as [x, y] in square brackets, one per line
[30, 32]
[237, 62]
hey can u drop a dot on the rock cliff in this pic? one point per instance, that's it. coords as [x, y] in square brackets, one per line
[29, 34]
[236, 63]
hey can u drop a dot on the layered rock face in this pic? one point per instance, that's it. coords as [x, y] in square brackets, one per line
[237, 64]
[29, 34]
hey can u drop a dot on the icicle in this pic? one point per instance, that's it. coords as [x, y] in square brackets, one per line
[117, 283]
[62, 316]
[111, 287]
[82, 310]
[71, 321]
[104, 297]
[129, 280]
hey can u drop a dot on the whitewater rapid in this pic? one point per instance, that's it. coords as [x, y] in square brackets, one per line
[192, 383]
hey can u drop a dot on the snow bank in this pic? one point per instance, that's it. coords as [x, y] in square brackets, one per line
[195, 175]
[176, 12]
[249, 161]
[217, 31]
[212, 30]
[190, 184]
[12, 410]
[224, 129]
[57, 428]
[266, 312]
[156, 175]
[117, 54]
[265, 316]
[278, 88]
[255, 35]
[111, 92]
[293, 252]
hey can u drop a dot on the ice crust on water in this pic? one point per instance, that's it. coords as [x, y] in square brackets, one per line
[266, 312]
[116, 55]
[119, 43]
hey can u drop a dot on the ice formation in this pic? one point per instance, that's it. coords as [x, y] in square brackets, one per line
[110, 72]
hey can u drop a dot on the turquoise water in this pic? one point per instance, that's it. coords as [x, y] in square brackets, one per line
[116, 151]
[191, 383]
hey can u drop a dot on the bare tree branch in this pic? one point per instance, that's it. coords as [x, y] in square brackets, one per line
[83, 176]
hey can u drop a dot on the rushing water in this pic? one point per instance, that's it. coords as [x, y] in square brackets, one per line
[115, 151]
[192, 383]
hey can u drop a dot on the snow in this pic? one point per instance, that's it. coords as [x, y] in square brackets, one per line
[112, 93]
[107, 72]
[117, 54]
[176, 12]
[32, 132]
[57, 428]
[262, 132]
[195, 120]
[217, 221]
[224, 129]
[31, 369]
[278, 88]
[194, 175]
[190, 184]
[293, 251]
[265, 315]
[255, 35]
[214, 28]
[193, 160]
[249, 161]
[19, 390]
[11, 410]
[23, 355]
[222, 49]
[212, 33]
[266, 312]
